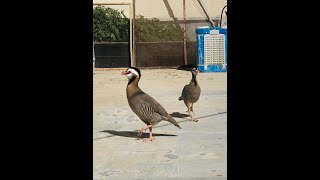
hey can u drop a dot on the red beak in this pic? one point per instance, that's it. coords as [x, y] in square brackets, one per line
[123, 73]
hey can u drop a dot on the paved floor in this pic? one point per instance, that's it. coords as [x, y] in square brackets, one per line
[197, 151]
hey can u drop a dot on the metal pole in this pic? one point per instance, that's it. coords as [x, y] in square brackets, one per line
[170, 11]
[133, 34]
[131, 57]
[206, 13]
[184, 33]
[94, 59]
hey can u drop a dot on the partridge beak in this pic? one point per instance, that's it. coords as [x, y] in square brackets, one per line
[123, 73]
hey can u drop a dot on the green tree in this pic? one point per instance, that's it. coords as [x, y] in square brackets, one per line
[113, 26]
[110, 25]
[152, 30]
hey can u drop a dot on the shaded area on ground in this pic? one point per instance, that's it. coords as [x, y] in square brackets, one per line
[133, 134]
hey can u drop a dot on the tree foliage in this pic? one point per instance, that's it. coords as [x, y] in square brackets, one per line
[110, 25]
[152, 30]
[113, 26]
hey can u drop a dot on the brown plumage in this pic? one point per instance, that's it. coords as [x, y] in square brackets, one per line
[191, 93]
[143, 105]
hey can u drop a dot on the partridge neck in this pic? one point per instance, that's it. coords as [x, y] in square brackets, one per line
[133, 87]
[194, 80]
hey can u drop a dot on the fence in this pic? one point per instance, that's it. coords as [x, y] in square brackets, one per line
[164, 32]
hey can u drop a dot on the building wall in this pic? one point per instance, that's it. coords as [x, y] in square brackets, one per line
[113, 55]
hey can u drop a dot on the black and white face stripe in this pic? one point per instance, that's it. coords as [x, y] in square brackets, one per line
[194, 71]
[132, 73]
[136, 70]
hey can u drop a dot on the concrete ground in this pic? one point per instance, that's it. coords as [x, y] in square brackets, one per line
[197, 151]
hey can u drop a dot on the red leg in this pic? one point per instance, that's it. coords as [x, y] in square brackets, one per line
[192, 109]
[144, 128]
[189, 109]
[150, 134]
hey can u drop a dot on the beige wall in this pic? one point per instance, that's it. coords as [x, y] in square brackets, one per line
[157, 8]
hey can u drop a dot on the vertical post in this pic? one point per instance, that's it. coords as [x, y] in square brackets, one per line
[133, 30]
[132, 60]
[184, 33]
[94, 58]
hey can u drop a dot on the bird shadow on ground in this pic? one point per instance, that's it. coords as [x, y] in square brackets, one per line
[187, 67]
[179, 115]
[133, 134]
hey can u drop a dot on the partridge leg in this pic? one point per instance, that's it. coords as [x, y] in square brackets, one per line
[150, 134]
[192, 109]
[189, 109]
[143, 129]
